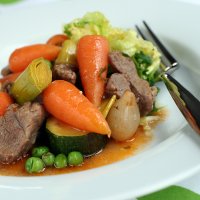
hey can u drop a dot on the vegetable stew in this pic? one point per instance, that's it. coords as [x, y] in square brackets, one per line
[82, 99]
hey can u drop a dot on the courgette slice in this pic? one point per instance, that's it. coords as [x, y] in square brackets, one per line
[64, 139]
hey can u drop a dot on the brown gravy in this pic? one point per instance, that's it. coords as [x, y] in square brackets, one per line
[113, 152]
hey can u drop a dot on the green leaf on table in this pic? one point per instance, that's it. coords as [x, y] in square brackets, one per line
[8, 1]
[172, 193]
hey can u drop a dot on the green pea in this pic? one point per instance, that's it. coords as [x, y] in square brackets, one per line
[34, 165]
[60, 161]
[75, 158]
[39, 151]
[48, 158]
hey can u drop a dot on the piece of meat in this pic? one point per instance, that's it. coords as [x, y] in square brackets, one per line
[64, 72]
[122, 64]
[117, 85]
[18, 130]
[6, 86]
[5, 71]
[139, 87]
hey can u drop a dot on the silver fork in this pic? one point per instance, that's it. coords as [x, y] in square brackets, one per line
[187, 103]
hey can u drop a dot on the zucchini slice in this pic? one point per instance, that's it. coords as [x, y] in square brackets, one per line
[64, 139]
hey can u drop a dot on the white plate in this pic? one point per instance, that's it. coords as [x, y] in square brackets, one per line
[174, 153]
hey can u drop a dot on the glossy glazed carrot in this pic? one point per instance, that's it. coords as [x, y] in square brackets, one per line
[57, 40]
[65, 102]
[22, 57]
[5, 101]
[11, 77]
[92, 56]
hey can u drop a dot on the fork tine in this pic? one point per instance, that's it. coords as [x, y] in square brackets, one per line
[164, 65]
[140, 32]
[166, 53]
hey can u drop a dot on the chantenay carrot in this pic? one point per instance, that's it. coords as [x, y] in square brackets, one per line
[57, 40]
[5, 101]
[92, 56]
[23, 56]
[10, 77]
[65, 102]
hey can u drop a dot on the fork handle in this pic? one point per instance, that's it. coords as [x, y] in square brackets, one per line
[188, 104]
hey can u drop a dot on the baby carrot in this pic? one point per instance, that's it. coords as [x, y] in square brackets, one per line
[65, 102]
[10, 77]
[22, 57]
[57, 40]
[92, 56]
[5, 101]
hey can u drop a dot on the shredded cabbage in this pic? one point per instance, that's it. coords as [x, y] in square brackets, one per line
[126, 41]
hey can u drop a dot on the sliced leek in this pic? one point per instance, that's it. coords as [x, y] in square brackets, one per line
[67, 54]
[106, 105]
[35, 78]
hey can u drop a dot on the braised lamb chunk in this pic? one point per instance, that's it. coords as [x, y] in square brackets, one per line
[139, 87]
[64, 72]
[117, 85]
[5, 71]
[6, 86]
[18, 130]
[122, 64]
